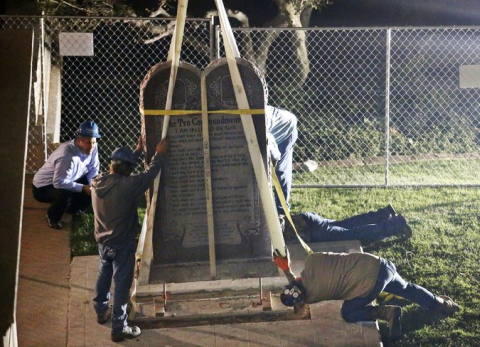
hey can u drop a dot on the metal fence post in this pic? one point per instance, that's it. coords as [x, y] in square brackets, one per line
[387, 106]
[44, 88]
[213, 50]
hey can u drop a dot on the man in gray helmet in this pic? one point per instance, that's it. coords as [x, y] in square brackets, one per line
[64, 180]
[357, 278]
[114, 201]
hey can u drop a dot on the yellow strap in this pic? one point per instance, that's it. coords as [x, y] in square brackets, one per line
[384, 297]
[190, 112]
[281, 197]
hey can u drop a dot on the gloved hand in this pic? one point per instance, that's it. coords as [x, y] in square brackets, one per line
[162, 146]
[282, 262]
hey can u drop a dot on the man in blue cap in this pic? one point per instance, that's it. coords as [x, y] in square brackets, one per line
[64, 179]
[114, 200]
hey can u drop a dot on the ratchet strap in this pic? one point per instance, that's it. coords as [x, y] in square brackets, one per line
[281, 197]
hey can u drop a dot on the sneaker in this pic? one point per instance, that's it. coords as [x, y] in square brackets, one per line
[445, 306]
[102, 317]
[127, 333]
[391, 314]
[53, 224]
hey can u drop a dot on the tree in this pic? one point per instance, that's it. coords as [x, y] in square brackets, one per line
[242, 13]
[260, 13]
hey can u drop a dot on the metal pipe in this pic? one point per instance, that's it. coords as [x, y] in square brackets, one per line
[387, 106]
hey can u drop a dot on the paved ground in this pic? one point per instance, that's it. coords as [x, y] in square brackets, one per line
[44, 280]
[55, 309]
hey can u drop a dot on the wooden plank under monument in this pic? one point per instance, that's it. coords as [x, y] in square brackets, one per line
[180, 234]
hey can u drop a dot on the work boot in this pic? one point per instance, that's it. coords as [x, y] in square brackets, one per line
[387, 212]
[397, 225]
[127, 333]
[301, 226]
[391, 314]
[445, 306]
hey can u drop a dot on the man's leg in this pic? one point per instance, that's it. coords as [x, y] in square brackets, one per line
[123, 268]
[436, 304]
[359, 309]
[102, 287]
[283, 169]
[409, 291]
[58, 199]
[371, 217]
[319, 229]
[79, 202]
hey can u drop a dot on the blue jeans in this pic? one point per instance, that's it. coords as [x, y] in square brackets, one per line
[117, 262]
[367, 227]
[283, 169]
[388, 280]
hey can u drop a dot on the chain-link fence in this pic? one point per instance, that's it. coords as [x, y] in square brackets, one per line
[376, 107]
[104, 86]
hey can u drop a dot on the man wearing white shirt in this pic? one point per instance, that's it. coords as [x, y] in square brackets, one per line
[64, 179]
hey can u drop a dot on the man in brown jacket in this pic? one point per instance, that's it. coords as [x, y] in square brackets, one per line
[357, 278]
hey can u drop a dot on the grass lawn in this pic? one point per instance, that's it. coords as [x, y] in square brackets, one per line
[433, 172]
[443, 255]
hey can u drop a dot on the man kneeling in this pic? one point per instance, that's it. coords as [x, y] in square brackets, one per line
[357, 278]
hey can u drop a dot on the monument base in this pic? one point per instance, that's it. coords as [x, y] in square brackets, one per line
[194, 300]
[200, 271]
[213, 302]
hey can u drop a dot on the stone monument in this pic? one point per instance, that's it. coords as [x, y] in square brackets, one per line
[180, 235]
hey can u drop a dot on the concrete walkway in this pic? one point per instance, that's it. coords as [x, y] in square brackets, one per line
[55, 307]
[44, 280]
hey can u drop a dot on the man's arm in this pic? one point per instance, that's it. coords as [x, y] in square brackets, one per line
[142, 181]
[94, 166]
[64, 169]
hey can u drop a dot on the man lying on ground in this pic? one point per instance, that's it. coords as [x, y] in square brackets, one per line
[367, 227]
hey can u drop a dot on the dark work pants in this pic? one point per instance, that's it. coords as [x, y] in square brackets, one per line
[62, 200]
[367, 227]
[390, 281]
